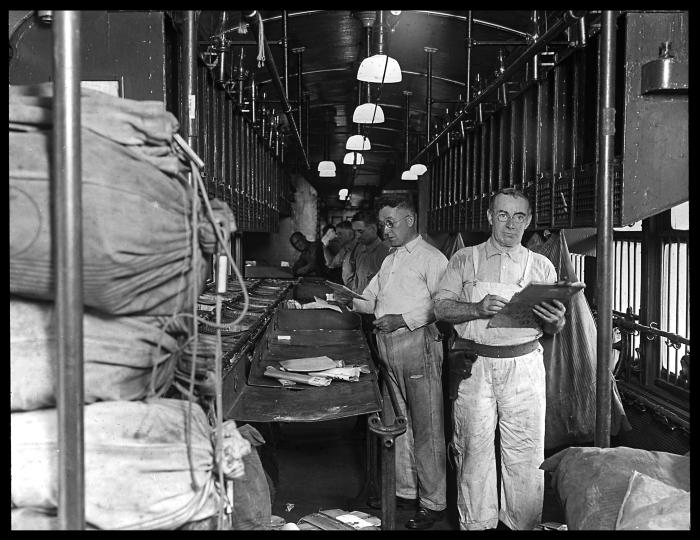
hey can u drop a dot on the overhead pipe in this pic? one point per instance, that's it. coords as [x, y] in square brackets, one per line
[190, 75]
[380, 37]
[568, 18]
[407, 111]
[286, 107]
[222, 48]
[604, 243]
[285, 52]
[299, 51]
[469, 45]
[68, 268]
[429, 92]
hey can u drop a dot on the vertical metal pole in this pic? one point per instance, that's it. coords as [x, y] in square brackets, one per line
[307, 107]
[468, 74]
[407, 113]
[190, 67]
[285, 56]
[300, 96]
[606, 139]
[68, 245]
[429, 92]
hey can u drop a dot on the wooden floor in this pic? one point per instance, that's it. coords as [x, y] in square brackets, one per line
[321, 467]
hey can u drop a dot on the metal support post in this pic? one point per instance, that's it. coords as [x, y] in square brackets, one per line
[285, 54]
[407, 112]
[190, 75]
[68, 270]
[429, 92]
[604, 247]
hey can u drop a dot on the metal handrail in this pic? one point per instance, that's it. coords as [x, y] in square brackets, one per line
[286, 107]
[568, 18]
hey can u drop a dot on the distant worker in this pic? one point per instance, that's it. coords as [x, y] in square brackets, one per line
[400, 296]
[331, 243]
[504, 381]
[346, 241]
[370, 251]
[310, 262]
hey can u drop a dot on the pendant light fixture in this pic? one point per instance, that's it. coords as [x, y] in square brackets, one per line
[353, 158]
[379, 68]
[358, 143]
[326, 168]
[368, 113]
[418, 169]
[343, 194]
[408, 175]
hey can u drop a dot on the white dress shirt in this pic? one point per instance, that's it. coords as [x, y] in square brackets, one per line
[406, 283]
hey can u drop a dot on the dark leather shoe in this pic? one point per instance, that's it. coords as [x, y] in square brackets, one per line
[424, 518]
[376, 503]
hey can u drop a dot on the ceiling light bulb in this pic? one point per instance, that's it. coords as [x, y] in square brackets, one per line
[366, 114]
[326, 174]
[408, 175]
[418, 169]
[343, 194]
[353, 158]
[372, 69]
[397, 13]
[326, 166]
[358, 143]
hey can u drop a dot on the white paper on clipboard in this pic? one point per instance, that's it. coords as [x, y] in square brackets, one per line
[518, 312]
[343, 289]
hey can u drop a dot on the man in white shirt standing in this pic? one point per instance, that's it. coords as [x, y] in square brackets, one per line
[507, 382]
[400, 296]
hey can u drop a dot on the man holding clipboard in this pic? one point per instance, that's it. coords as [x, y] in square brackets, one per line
[507, 380]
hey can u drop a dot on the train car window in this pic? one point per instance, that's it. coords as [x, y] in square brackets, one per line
[680, 217]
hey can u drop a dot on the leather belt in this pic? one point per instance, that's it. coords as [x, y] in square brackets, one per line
[495, 351]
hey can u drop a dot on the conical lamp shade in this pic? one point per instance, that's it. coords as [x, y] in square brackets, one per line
[364, 113]
[418, 169]
[372, 70]
[353, 158]
[326, 166]
[358, 143]
[408, 175]
[326, 174]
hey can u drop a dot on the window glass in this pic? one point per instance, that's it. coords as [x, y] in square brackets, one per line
[680, 217]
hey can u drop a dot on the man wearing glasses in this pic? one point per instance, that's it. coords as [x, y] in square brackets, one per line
[400, 296]
[507, 382]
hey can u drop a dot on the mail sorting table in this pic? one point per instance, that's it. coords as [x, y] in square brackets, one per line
[250, 396]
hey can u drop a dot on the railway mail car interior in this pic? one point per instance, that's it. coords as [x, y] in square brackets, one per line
[254, 278]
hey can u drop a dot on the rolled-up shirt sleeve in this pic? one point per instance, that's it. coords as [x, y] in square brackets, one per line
[425, 314]
[452, 282]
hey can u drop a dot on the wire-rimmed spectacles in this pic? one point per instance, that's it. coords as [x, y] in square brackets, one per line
[518, 217]
[390, 224]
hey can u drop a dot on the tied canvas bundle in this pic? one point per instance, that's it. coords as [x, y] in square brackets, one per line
[122, 357]
[143, 470]
[139, 245]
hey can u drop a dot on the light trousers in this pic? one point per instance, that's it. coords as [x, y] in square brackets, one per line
[510, 392]
[415, 366]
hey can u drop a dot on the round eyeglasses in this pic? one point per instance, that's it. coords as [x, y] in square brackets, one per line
[390, 224]
[518, 217]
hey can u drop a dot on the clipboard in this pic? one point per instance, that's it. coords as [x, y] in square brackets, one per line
[337, 287]
[518, 312]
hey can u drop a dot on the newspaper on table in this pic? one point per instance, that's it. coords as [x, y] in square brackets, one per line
[518, 312]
